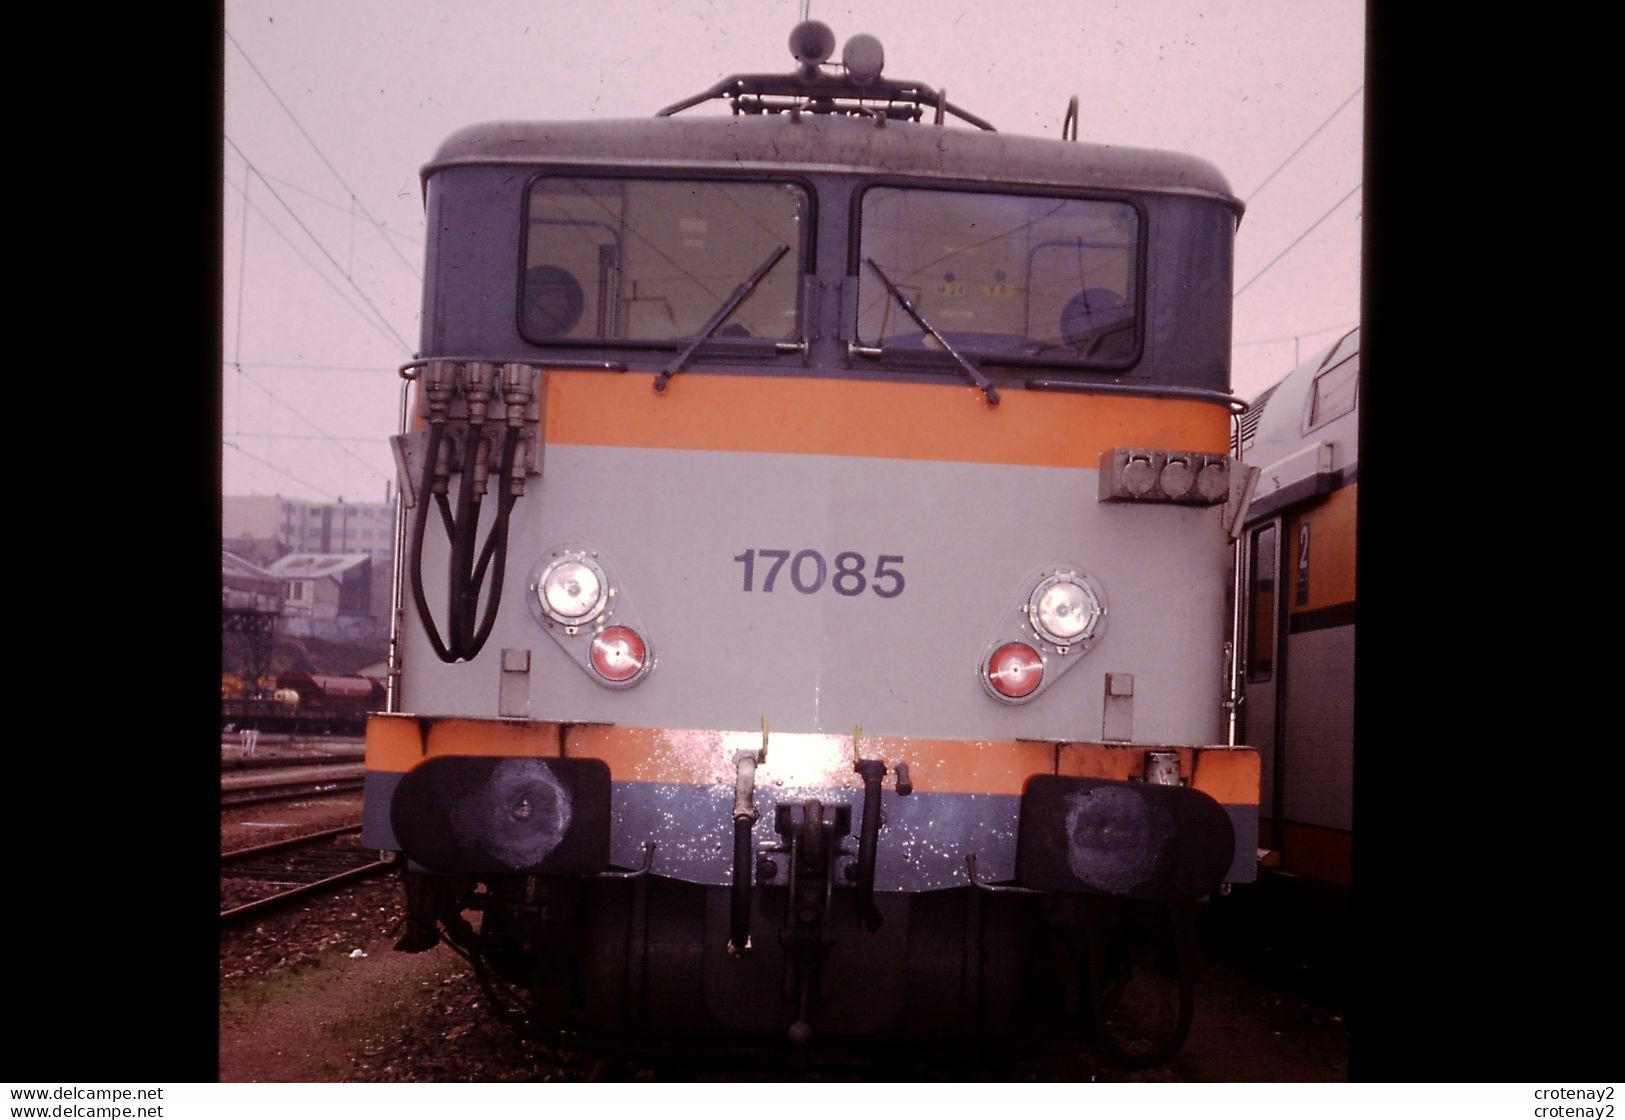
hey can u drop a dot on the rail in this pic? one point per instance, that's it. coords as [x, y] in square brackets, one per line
[265, 795]
[322, 868]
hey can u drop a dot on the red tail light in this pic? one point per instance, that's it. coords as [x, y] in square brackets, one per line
[618, 654]
[1015, 670]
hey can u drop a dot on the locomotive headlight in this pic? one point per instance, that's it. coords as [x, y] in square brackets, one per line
[572, 590]
[580, 599]
[1064, 609]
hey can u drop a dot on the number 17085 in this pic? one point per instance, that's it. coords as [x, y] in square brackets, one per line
[809, 571]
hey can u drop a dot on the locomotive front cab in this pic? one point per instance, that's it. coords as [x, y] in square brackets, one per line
[814, 549]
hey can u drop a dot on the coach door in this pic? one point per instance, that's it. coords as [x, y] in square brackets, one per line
[1262, 669]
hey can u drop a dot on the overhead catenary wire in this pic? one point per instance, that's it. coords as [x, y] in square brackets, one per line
[383, 328]
[345, 207]
[306, 365]
[242, 280]
[1305, 144]
[285, 474]
[1297, 239]
[329, 163]
[242, 272]
[313, 425]
[405, 347]
[1295, 337]
[1267, 179]
[299, 435]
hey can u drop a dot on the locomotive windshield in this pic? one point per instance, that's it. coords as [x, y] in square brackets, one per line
[654, 260]
[1000, 275]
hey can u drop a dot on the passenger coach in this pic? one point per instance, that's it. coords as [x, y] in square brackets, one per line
[1297, 625]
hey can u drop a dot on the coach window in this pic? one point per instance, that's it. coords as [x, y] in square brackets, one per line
[1335, 392]
[1261, 563]
[999, 275]
[652, 260]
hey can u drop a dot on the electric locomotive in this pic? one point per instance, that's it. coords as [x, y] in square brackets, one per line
[813, 569]
[1296, 625]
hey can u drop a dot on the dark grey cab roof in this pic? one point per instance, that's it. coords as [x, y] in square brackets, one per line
[832, 143]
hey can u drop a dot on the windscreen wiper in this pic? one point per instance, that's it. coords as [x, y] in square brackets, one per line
[722, 314]
[976, 376]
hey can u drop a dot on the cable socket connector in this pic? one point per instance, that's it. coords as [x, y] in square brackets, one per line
[439, 381]
[516, 382]
[479, 381]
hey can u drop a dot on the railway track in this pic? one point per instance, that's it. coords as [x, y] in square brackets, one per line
[350, 757]
[286, 871]
[290, 791]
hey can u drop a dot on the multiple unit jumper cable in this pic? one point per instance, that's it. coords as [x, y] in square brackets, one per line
[468, 566]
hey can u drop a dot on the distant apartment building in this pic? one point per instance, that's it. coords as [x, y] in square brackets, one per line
[253, 524]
